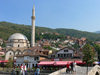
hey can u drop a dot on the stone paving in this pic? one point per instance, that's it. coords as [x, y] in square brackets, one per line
[79, 71]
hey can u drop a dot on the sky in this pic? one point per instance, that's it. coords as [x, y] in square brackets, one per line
[82, 15]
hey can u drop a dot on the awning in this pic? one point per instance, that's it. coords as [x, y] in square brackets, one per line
[3, 61]
[80, 62]
[62, 63]
[58, 63]
[46, 63]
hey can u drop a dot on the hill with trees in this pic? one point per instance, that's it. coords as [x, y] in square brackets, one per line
[7, 29]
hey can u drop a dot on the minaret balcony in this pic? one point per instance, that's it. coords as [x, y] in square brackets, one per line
[33, 17]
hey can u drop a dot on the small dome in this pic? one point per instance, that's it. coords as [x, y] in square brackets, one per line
[17, 36]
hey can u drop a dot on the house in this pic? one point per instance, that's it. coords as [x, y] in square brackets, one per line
[40, 50]
[46, 43]
[29, 58]
[63, 53]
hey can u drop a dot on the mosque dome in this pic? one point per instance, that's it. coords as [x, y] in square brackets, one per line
[17, 36]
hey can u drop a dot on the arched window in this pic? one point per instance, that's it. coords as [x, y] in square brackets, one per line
[19, 53]
[16, 53]
[96, 73]
[10, 53]
[18, 45]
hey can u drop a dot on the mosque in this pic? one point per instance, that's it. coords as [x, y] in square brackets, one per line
[18, 43]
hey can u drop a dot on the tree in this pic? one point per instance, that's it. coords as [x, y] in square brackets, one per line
[88, 55]
[76, 46]
[47, 47]
[97, 48]
[3, 45]
[10, 63]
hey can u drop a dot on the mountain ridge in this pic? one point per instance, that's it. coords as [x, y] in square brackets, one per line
[8, 28]
[98, 32]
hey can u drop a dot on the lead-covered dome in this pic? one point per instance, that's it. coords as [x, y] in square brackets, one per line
[17, 36]
[18, 40]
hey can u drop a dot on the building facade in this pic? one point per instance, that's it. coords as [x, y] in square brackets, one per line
[63, 53]
[29, 60]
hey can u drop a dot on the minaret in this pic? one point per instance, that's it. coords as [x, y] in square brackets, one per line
[33, 28]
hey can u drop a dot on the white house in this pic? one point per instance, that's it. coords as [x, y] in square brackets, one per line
[29, 59]
[63, 53]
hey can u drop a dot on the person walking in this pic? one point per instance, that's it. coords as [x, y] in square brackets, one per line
[25, 69]
[13, 72]
[35, 73]
[17, 70]
[22, 70]
[72, 65]
[38, 71]
[68, 68]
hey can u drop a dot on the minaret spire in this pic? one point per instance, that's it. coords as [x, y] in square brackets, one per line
[33, 28]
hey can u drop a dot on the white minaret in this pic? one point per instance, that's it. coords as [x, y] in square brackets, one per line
[33, 28]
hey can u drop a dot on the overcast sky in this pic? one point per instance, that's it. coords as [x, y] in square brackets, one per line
[74, 14]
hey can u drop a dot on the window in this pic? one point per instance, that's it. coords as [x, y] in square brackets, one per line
[70, 55]
[58, 55]
[65, 50]
[16, 53]
[33, 65]
[36, 58]
[18, 45]
[10, 53]
[19, 53]
[67, 55]
[64, 55]
[61, 55]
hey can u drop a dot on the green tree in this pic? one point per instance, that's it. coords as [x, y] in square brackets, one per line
[76, 46]
[88, 55]
[10, 63]
[3, 45]
[97, 48]
[47, 47]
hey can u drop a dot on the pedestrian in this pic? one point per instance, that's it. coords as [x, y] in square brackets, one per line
[72, 65]
[22, 70]
[25, 69]
[17, 71]
[35, 73]
[68, 68]
[38, 71]
[13, 72]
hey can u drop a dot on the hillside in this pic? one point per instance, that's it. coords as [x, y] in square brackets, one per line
[6, 29]
[98, 32]
[79, 34]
